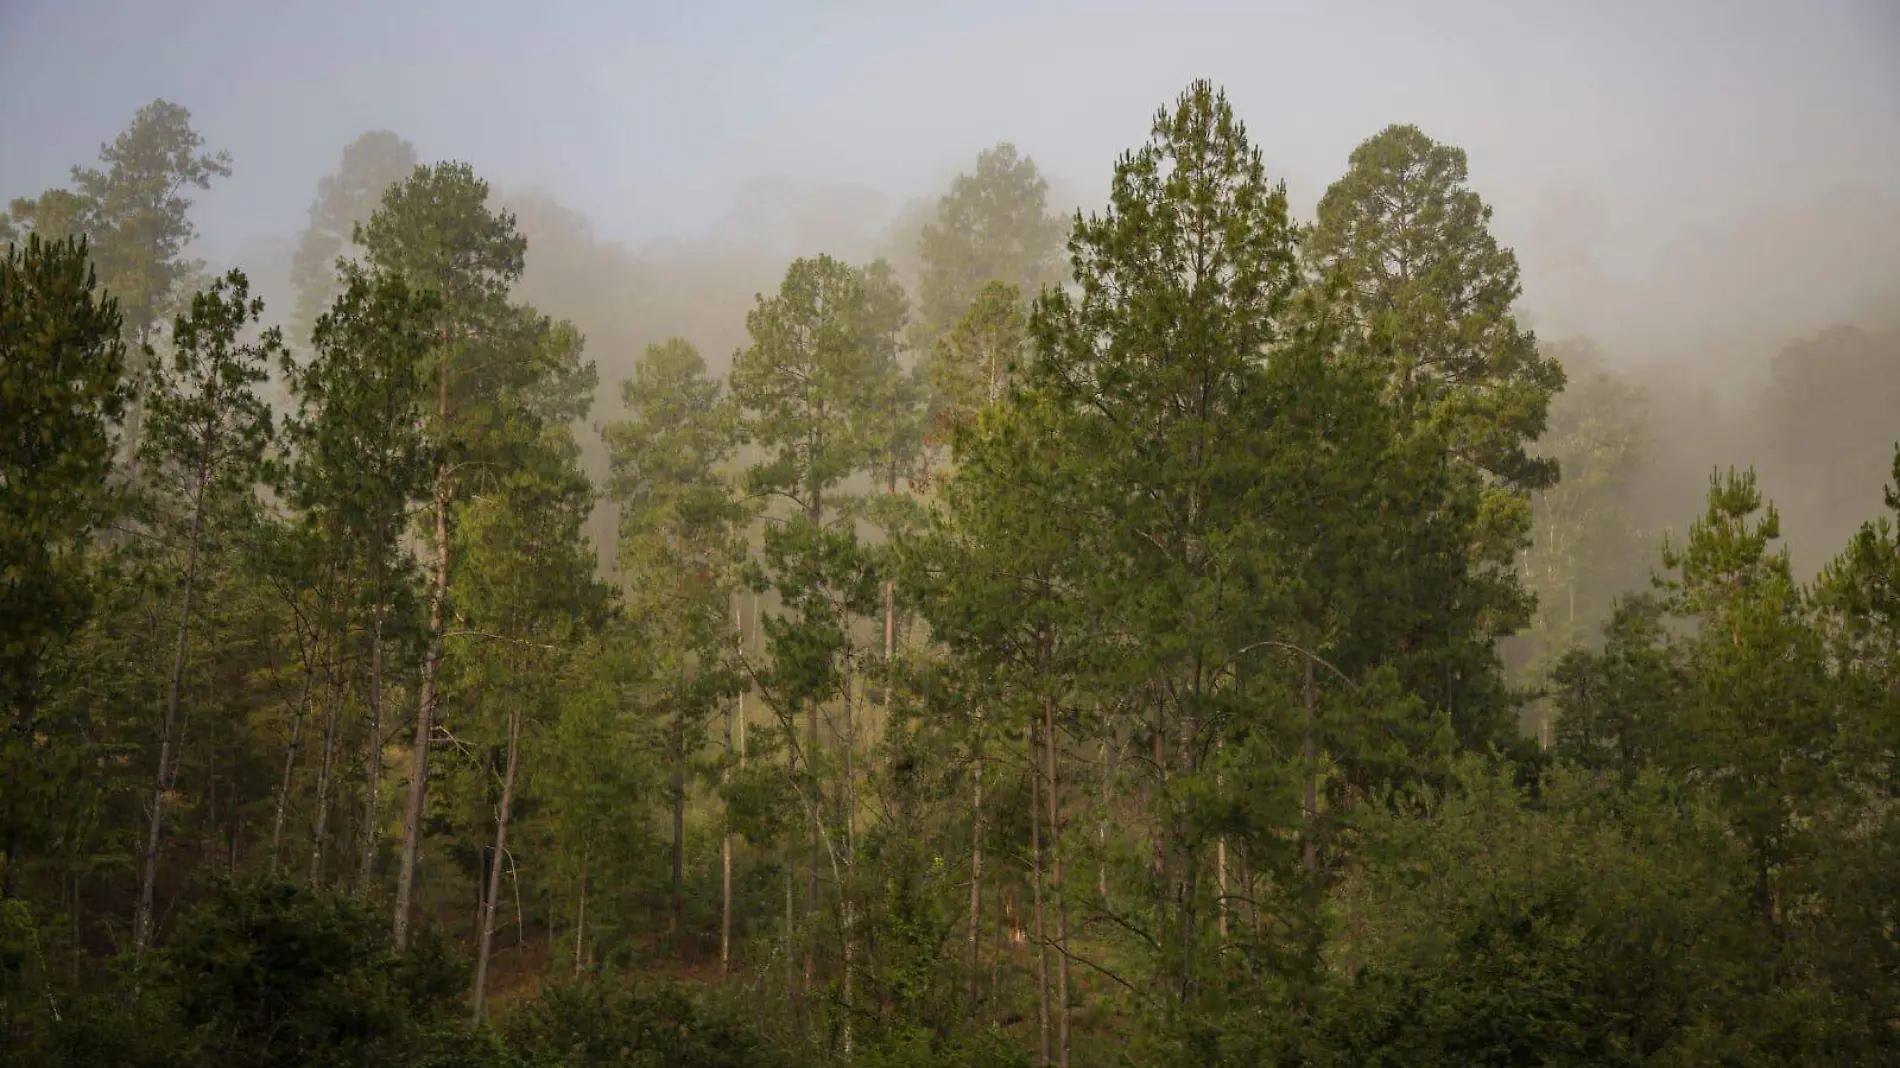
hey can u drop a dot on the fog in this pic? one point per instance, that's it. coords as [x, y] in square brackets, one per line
[1693, 186]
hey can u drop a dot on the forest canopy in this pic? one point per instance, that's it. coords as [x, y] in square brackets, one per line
[1185, 633]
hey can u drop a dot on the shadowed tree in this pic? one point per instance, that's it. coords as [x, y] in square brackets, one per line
[62, 392]
[1433, 292]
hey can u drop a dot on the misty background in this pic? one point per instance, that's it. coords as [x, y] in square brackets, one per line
[1697, 191]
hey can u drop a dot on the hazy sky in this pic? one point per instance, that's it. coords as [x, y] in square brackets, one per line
[649, 117]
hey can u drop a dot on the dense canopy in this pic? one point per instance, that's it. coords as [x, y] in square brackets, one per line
[1226, 638]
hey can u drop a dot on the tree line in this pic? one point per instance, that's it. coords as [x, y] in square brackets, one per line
[1090, 650]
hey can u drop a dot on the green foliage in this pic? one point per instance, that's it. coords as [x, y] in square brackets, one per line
[1165, 724]
[260, 973]
[208, 429]
[602, 1024]
[346, 199]
[62, 388]
[1590, 925]
[1433, 291]
[358, 463]
[812, 368]
[278, 974]
[54, 215]
[666, 457]
[993, 225]
[138, 208]
[974, 363]
[1857, 598]
[1615, 706]
[136, 212]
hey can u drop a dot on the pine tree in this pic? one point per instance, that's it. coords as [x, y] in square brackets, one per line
[502, 373]
[204, 453]
[345, 199]
[525, 590]
[1434, 291]
[62, 392]
[811, 388]
[360, 469]
[679, 553]
[136, 213]
[1759, 721]
[992, 226]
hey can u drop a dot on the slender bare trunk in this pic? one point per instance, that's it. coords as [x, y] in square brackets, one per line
[791, 981]
[976, 863]
[1309, 701]
[1005, 916]
[1220, 863]
[580, 922]
[1159, 743]
[1187, 865]
[850, 998]
[725, 875]
[494, 868]
[791, 964]
[415, 808]
[845, 888]
[1101, 822]
[890, 619]
[1220, 882]
[148, 866]
[372, 757]
[290, 766]
[326, 767]
[1053, 794]
[1042, 933]
[817, 843]
[735, 740]
[676, 922]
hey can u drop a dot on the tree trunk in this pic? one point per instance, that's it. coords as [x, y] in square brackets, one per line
[725, 869]
[1220, 857]
[850, 997]
[676, 922]
[148, 866]
[415, 808]
[1052, 792]
[1101, 831]
[817, 843]
[1187, 865]
[735, 743]
[790, 966]
[333, 709]
[1309, 699]
[494, 869]
[996, 953]
[580, 923]
[845, 888]
[815, 514]
[1042, 933]
[976, 864]
[372, 756]
[290, 766]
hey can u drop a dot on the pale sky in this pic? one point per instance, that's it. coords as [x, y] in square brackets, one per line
[649, 117]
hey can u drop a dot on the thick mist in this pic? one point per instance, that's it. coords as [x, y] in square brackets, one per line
[1698, 193]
